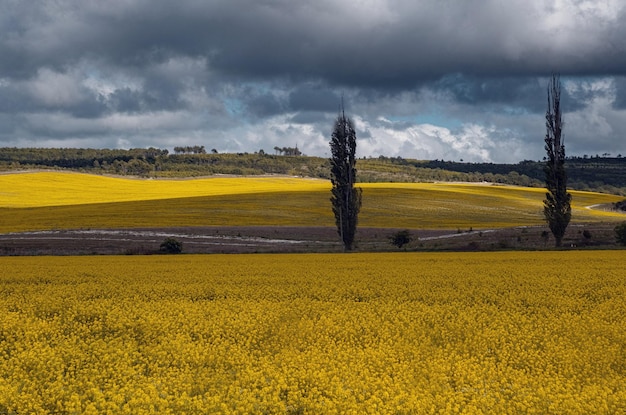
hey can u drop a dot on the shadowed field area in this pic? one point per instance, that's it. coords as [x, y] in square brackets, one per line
[44, 201]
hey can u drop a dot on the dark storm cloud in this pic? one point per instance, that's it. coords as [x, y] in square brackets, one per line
[162, 94]
[402, 44]
[15, 100]
[248, 68]
[265, 105]
[126, 100]
[494, 92]
[375, 43]
[507, 93]
[313, 98]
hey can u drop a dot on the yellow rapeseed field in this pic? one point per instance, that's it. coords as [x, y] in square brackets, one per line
[53, 200]
[66, 188]
[418, 333]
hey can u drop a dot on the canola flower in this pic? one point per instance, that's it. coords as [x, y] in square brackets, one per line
[432, 333]
[52, 200]
[23, 190]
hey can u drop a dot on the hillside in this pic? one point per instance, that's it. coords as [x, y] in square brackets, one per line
[52, 212]
[57, 200]
[604, 174]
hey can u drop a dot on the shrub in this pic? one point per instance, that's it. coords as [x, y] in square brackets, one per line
[171, 246]
[620, 233]
[401, 238]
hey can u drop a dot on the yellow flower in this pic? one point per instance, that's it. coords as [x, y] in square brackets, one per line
[427, 333]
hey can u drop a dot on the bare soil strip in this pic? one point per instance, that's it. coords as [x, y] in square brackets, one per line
[284, 239]
[194, 239]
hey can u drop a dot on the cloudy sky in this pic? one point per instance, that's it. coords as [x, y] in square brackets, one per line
[426, 79]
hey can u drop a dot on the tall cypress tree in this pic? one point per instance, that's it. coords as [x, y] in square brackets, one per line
[557, 205]
[346, 199]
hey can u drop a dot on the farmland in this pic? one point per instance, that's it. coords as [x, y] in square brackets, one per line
[306, 333]
[504, 332]
[52, 200]
[69, 213]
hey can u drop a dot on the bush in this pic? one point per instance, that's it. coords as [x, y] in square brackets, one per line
[620, 233]
[171, 246]
[401, 238]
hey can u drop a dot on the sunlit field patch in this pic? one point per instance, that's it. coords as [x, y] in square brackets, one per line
[63, 188]
[525, 332]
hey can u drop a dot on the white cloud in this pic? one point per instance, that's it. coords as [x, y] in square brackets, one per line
[55, 89]
[472, 142]
[279, 131]
[592, 128]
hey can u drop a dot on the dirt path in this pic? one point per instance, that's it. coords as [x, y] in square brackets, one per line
[261, 239]
[195, 240]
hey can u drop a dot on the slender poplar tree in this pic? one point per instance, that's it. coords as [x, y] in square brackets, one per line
[346, 199]
[557, 205]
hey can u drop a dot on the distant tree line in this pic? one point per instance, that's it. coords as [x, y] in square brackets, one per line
[606, 174]
[185, 162]
[190, 150]
[288, 151]
[76, 158]
[600, 174]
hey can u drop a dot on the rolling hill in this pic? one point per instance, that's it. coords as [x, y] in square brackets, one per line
[57, 200]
